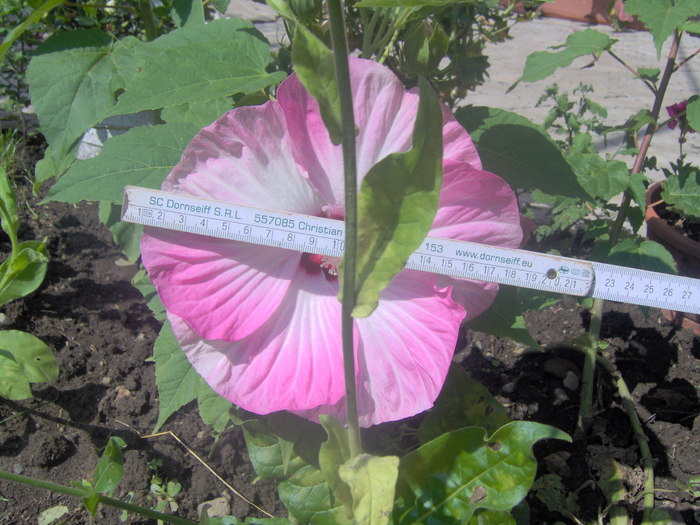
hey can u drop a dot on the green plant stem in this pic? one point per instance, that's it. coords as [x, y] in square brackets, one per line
[105, 500]
[590, 352]
[642, 441]
[149, 23]
[342, 71]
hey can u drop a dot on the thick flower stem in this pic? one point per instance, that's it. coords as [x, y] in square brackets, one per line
[104, 500]
[342, 72]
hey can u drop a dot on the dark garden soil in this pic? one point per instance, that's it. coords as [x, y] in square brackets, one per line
[102, 334]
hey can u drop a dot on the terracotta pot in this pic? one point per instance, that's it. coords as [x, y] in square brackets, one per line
[590, 11]
[683, 249]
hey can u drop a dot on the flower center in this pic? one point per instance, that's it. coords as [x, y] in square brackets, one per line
[314, 263]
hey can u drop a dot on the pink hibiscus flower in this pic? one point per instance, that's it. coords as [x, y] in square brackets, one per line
[262, 325]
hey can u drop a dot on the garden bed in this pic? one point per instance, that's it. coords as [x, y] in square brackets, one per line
[102, 334]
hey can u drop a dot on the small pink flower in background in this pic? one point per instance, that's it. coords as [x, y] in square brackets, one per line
[677, 114]
[262, 325]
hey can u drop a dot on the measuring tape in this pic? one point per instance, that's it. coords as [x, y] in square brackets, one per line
[319, 235]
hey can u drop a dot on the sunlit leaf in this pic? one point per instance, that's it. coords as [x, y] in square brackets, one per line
[110, 467]
[24, 359]
[636, 253]
[662, 17]
[447, 479]
[314, 65]
[372, 482]
[397, 202]
[213, 409]
[335, 451]
[310, 500]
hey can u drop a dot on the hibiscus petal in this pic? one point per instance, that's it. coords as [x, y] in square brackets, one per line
[293, 362]
[224, 289]
[384, 115]
[245, 157]
[406, 347]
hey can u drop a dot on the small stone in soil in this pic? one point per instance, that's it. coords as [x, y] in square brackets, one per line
[571, 381]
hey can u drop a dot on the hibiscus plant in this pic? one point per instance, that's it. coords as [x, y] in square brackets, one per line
[352, 121]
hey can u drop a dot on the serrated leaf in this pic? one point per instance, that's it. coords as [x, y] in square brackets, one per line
[449, 478]
[110, 467]
[692, 112]
[71, 84]
[682, 193]
[504, 318]
[636, 253]
[602, 178]
[662, 17]
[335, 451]
[520, 152]
[142, 156]
[463, 402]
[310, 500]
[315, 67]
[372, 482]
[542, 64]
[199, 63]
[396, 205]
[178, 383]
[24, 359]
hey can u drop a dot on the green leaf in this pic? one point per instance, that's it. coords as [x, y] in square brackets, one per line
[662, 17]
[335, 451]
[177, 382]
[492, 517]
[196, 63]
[372, 481]
[8, 206]
[110, 467]
[602, 178]
[396, 205]
[188, 12]
[71, 83]
[692, 112]
[542, 64]
[142, 156]
[310, 500]
[636, 253]
[315, 67]
[520, 152]
[463, 402]
[682, 192]
[143, 284]
[33, 18]
[267, 451]
[199, 114]
[213, 409]
[504, 318]
[448, 479]
[24, 359]
[23, 272]
[125, 234]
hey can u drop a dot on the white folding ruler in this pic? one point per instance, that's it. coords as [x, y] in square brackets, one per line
[319, 235]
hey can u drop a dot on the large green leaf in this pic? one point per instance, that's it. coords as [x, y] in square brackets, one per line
[142, 156]
[662, 17]
[178, 383]
[636, 253]
[692, 112]
[463, 402]
[186, 12]
[409, 3]
[396, 205]
[310, 500]
[213, 409]
[269, 454]
[24, 359]
[197, 63]
[126, 235]
[542, 64]
[372, 482]
[71, 83]
[448, 479]
[602, 178]
[315, 67]
[520, 152]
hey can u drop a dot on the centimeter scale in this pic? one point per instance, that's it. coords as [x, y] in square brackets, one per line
[319, 235]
